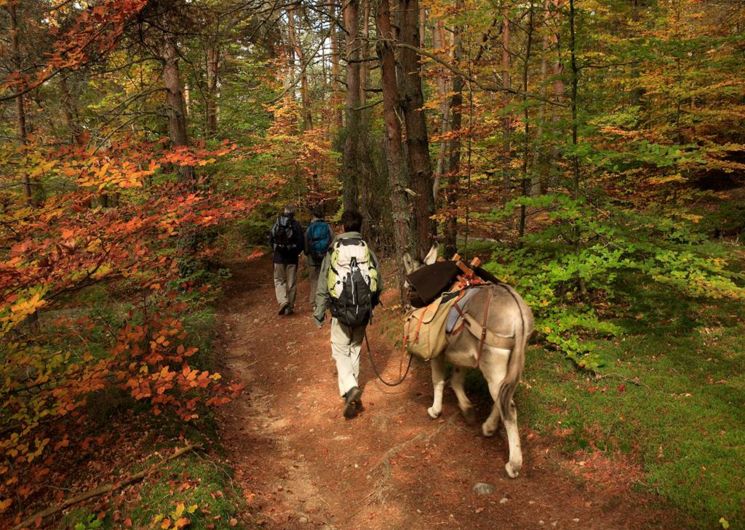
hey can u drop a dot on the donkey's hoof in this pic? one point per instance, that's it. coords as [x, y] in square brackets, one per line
[469, 416]
[434, 414]
[488, 430]
[512, 471]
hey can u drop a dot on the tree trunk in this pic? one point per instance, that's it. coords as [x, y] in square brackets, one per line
[417, 143]
[393, 138]
[213, 69]
[526, 120]
[72, 116]
[541, 156]
[352, 112]
[456, 118]
[175, 100]
[20, 104]
[335, 70]
[506, 120]
[299, 61]
[440, 46]
[575, 85]
[368, 184]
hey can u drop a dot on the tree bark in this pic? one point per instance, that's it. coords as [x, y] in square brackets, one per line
[213, 79]
[20, 103]
[393, 138]
[454, 150]
[299, 62]
[350, 168]
[506, 120]
[175, 100]
[526, 119]
[72, 115]
[440, 46]
[335, 70]
[417, 143]
[573, 96]
[371, 199]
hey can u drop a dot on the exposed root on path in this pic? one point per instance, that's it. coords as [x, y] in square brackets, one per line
[383, 470]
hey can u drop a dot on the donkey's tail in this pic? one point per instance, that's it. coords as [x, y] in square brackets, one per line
[516, 361]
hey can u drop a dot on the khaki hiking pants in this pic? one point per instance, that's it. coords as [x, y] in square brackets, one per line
[346, 344]
[285, 284]
[313, 272]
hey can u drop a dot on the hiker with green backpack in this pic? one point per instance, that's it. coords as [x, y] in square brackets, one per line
[318, 238]
[350, 286]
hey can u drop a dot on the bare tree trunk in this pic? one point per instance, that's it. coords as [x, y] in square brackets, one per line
[364, 51]
[175, 100]
[506, 120]
[418, 161]
[299, 61]
[393, 138]
[454, 151]
[350, 168]
[213, 69]
[70, 109]
[440, 45]
[20, 104]
[368, 186]
[335, 70]
[526, 119]
[575, 85]
[540, 155]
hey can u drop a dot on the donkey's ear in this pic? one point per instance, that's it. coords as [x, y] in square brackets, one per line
[431, 256]
[409, 264]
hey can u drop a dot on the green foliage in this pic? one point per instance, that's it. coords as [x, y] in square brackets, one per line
[671, 396]
[572, 271]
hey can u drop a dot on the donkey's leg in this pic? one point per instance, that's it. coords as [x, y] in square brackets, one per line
[489, 427]
[466, 407]
[513, 438]
[438, 382]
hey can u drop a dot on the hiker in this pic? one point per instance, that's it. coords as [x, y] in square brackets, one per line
[286, 238]
[318, 239]
[349, 286]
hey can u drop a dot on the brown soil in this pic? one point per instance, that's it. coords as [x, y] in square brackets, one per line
[302, 465]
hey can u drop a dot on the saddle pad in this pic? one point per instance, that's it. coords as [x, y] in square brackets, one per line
[454, 315]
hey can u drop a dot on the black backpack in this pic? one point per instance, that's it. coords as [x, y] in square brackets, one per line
[354, 305]
[283, 234]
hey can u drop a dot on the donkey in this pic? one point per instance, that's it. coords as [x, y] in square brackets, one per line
[510, 321]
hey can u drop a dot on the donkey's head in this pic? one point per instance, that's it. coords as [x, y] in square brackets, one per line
[412, 264]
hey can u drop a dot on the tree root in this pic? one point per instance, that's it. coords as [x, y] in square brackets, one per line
[383, 467]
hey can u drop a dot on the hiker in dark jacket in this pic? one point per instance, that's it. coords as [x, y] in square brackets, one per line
[286, 239]
[318, 238]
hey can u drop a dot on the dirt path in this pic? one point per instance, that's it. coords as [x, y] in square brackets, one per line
[302, 465]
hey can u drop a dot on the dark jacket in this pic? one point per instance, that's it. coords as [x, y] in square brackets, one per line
[290, 255]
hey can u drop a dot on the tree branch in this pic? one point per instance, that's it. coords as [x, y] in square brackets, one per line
[101, 490]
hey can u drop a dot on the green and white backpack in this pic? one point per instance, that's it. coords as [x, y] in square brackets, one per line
[352, 282]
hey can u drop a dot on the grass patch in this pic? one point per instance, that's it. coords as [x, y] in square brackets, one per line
[674, 397]
[194, 490]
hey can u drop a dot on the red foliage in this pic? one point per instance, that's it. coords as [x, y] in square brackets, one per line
[135, 249]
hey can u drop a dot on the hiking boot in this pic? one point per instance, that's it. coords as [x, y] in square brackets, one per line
[352, 402]
[289, 311]
[283, 309]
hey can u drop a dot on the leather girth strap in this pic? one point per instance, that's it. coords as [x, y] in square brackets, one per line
[483, 325]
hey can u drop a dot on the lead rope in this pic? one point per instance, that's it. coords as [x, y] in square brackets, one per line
[377, 373]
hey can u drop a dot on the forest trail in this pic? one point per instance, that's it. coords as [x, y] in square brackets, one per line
[302, 465]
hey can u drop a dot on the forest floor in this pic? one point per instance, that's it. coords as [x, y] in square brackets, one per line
[302, 465]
